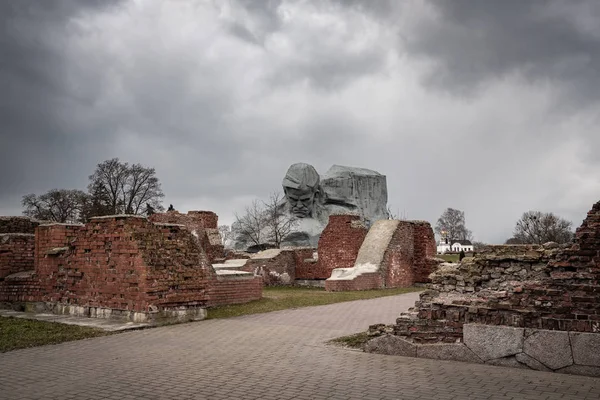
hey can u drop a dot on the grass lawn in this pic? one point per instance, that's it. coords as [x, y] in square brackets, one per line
[17, 333]
[281, 298]
[354, 341]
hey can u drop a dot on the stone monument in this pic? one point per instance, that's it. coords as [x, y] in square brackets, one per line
[311, 199]
[341, 190]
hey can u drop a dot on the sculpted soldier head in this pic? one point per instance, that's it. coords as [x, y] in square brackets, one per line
[301, 186]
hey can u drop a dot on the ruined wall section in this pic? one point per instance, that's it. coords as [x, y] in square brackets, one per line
[307, 264]
[275, 266]
[425, 249]
[393, 254]
[203, 224]
[14, 224]
[547, 287]
[121, 262]
[397, 266]
[339, 243]
[16, 253]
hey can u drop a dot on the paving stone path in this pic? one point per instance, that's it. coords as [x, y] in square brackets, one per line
[279, 355]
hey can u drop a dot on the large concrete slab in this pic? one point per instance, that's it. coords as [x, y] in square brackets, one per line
[586, 348]
[109, 325]
[551, 348]
[280, 355]
[491, 342]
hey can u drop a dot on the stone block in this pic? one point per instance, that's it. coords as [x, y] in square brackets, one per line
[450, 351]
[580, 370]
[551, 348]
[391, 345]
[531, 362]
[510, 362]
[586, 348]
[491, 342]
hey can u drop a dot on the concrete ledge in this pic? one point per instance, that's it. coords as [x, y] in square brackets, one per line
[538, 349]
[154, 316]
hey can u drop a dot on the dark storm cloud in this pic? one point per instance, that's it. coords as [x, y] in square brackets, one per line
[37, 136]
[221, 97]
[544, 41]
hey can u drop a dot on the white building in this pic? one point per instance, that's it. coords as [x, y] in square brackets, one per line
[455, 246]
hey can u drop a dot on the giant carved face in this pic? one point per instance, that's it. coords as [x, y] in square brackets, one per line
[301, 201]
[301, 188]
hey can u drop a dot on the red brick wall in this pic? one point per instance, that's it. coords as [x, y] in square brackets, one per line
[406, 259]
[339, 243]
[208, 219]
[18, 225]
[16, 253]
[306, 266]
[20, 287]
[234, 291]
[123, 263]
[424, 250]
[363, 282]
[397, 265]
[203, 223]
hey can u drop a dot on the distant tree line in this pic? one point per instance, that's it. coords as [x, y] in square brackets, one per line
[534, 227]
[115, 187]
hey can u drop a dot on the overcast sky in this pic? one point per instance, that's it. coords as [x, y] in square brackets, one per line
[491, 107]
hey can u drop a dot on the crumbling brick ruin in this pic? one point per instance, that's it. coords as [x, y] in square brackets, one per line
[524, 306]
[350, 257]
[340, 242]
[202, 224]
[123, 266]
[393, 254]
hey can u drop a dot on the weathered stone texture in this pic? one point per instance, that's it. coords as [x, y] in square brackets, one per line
[489, 342]
[391, 345]
[551, 348]
[450, 351]
[363, 190]
[18, 224]
[586, 348]
[275, 266]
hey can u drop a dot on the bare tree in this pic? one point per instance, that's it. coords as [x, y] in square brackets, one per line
[402, 216]
[451, 225]
[391, 214]
[59, 205]
[536, 227]
[119, 188]
[478, 246]
[226, 233]
[279, 223]
[251, 226]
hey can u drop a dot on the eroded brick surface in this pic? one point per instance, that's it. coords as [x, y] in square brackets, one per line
[203, 224]
[18, 224]
[125, 263]
[16, 253]
[340, 242]
[542, 287]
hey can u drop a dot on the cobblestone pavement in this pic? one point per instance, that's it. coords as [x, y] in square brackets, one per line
[279, 355]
